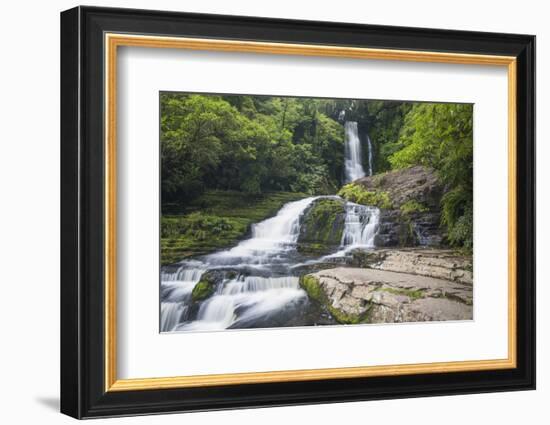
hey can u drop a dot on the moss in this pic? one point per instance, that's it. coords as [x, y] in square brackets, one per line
[312, 248]
[215, 220]
[313, 288]
[413, 294]
[356, 193]
[322, 227]
[202, 290]
[349, 319]
[412, 206]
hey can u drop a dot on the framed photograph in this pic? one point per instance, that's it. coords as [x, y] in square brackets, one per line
[261, 212]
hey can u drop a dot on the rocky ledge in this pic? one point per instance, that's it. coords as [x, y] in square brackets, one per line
[356, 295]
[438, 263]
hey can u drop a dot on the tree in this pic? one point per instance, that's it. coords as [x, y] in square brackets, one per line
[440, 136]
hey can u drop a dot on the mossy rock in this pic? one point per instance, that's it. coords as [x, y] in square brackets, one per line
[202, 290]
[322, 227]
[207, 285]
[312, 286]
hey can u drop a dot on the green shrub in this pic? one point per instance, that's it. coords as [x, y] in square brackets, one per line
[356, 193]
[412, 206]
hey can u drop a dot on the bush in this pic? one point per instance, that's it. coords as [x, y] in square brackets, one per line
[412, 206]
[356, 193]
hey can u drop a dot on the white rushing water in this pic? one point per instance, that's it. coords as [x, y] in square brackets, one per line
[272, 244]
[255, 296]
[360, 226]
[352, 153]
[271, 239]
[244, 300]
[176, 288]
[369, 143]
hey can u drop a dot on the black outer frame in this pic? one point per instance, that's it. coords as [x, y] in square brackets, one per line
[82, 212]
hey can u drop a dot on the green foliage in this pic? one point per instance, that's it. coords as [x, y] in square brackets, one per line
[356, 193]
[252, 144]
[457, 215]
[214, 220]
[260, 144]
[382, 120]
[196, 225]
[412, 206]
[440, 136]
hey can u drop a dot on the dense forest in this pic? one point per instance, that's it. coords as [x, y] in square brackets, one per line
[256, 145]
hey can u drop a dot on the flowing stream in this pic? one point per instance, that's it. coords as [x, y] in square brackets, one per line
[259, 285]
[259, 278]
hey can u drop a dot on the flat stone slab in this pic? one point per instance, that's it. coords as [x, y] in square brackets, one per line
[380, 296]
[437, 263]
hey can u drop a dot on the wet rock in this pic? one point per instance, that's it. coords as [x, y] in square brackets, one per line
[321, 226]
[414, 219]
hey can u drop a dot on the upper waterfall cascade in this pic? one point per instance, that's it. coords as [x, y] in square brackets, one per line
[353, 153]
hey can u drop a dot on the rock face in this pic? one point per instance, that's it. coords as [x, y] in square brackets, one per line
[415, 183]
[437, 263]
[354, 295]
[321, 226]
[414, 219]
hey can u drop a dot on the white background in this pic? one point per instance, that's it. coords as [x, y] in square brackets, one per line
[29, 228]
[256, 350]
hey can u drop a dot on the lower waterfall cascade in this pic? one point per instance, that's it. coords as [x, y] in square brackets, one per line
[262, 288]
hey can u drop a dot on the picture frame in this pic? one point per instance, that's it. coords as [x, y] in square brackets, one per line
[90, 40]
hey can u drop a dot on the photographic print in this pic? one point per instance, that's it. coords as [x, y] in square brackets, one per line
[294, 211]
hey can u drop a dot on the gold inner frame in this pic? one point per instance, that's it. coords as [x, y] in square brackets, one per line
[113, 41]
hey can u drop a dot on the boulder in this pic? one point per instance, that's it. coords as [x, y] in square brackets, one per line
[419, 184]
[414, 217]
[355, 295]
[209, 283]
[321, 226]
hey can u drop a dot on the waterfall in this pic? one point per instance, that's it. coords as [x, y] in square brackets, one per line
[261, 290]
[352, 152]
[271, 239]
[244, 299]
[271, 247]
[175, 292]
[360, 226]
[370, 154]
